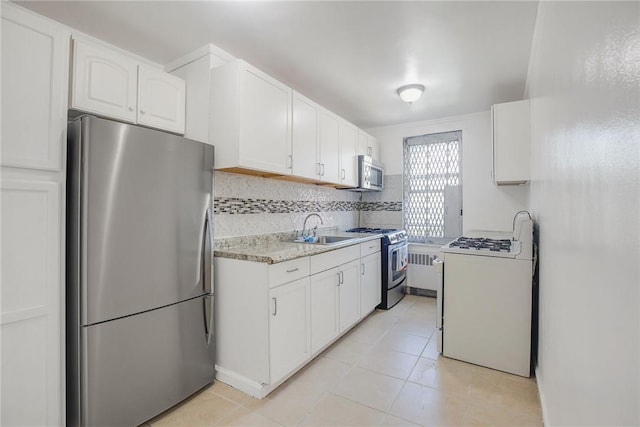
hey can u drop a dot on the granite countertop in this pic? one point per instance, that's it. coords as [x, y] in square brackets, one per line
[272, 249]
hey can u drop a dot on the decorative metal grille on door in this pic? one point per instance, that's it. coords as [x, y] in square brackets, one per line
[432, 186]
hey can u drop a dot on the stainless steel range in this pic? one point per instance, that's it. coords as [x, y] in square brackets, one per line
[395, 259]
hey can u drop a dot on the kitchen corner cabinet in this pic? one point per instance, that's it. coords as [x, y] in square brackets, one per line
[250, 120]
[368, 145]
[35, 91]
[348, 154]
[110, 84]
[511, 142]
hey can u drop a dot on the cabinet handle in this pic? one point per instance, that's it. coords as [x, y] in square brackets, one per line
[339, 281]
[143, 112]
[292, 270]
[342, 277]
[343, 174]
[290, 162]
[275, 306]
[131, 108]
[362, 265]
[322, 169]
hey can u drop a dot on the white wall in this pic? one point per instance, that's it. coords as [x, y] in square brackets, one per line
[485, 206]
[584, 90]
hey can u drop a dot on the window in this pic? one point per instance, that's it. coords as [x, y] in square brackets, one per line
[432, 200]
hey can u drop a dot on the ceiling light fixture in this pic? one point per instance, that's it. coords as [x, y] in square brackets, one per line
[410, 93]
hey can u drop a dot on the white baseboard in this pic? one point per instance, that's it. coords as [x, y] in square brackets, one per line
[239, 382]
[543, 406]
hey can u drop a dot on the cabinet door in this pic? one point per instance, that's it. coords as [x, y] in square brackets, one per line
[265, 122]
[329, 147]
[511, 142]
[363, 143]
[370, 283]
[374, 148]
[289, 327]
[348, 153]
[161, 100]
[324, 311]
[349, 294]
[35, 89]
[31, 303]
[305, 135]
[104, 82]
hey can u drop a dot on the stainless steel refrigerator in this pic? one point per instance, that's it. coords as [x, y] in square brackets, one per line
[139, 272]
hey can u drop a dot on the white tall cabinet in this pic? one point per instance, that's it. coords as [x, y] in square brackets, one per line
[35, 54]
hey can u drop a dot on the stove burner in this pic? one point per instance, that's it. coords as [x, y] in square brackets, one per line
[480, 243]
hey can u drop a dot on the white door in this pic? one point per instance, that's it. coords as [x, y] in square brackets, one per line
[348, 153]
[289, 327]
[265, 122]
[104, 82]
[370, 283]
[329, 147]
[161, 100]
[305, 134]
[349, 294]
[324, 310]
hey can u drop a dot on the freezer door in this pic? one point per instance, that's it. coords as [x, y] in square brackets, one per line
[138, 366]
[142, 200]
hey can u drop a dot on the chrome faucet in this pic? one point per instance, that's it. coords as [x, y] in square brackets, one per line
[304, 225]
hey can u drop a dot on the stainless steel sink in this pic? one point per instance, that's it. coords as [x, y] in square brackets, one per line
[329, 240]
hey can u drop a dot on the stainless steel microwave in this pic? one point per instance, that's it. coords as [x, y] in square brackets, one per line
[370, 174]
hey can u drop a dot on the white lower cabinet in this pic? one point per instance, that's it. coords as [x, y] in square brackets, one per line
[325, 324]
[349, 294]
[289, 331]
[370, 283]
[272, 319]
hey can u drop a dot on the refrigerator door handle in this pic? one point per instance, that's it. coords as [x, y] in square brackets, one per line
[208, 254]
[208, 317]
[208, 276]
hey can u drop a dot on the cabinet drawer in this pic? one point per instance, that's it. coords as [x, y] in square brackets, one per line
[332, 259]
[284, 272]
[370, 247]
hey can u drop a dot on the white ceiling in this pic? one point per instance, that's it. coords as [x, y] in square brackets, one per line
[348, 56]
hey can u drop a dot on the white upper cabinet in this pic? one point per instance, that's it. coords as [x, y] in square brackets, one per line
[511, 134]
[348, 154]
[329, 147]
[305, 137]
[104, 82]
[34, 90]
[110, 84]
[368, 145]
[250, 122]
[161, 100]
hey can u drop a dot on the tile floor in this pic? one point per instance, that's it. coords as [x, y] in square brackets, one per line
[384, 372]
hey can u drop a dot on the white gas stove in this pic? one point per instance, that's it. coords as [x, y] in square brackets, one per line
[484, 298]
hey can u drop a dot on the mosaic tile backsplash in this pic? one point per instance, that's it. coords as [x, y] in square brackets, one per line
[387, 205]
[247, 205]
